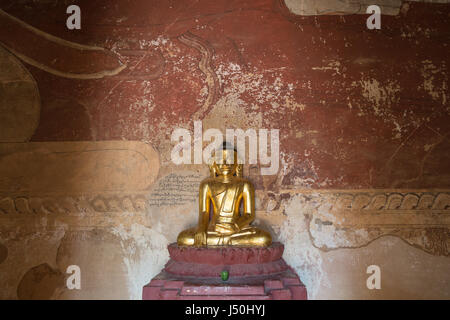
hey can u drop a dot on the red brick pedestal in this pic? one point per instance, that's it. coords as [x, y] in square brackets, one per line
[254, 274]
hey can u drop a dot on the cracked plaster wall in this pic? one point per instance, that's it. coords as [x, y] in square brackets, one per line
[86, 119]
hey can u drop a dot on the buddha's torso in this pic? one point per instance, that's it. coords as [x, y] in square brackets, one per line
[225, 197]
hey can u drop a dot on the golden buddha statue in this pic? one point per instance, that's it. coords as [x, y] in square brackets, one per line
[224, 191]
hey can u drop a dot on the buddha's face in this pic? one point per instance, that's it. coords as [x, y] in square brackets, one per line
[226, 162]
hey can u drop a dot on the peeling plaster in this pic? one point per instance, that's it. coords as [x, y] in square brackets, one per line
[340, 7]
[145, 254]
[299, 251]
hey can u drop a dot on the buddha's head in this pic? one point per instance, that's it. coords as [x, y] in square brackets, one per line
[226, 162]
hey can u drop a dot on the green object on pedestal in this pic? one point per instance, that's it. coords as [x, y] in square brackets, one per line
[224, 275]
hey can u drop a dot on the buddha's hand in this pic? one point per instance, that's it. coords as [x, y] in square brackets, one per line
[236, 227]
[227, 228]
[200, 238]
[241, 223]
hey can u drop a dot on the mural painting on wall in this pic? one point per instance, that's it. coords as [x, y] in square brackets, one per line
[87, 118]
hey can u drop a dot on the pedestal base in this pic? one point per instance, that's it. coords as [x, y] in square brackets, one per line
[254, 274]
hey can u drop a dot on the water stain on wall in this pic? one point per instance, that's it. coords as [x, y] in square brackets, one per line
[3, 253]
[41, 282]
[19, 103]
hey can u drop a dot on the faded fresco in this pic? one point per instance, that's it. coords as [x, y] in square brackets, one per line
[86, 118]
